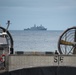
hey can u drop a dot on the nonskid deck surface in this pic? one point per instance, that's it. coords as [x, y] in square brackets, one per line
[50, 70]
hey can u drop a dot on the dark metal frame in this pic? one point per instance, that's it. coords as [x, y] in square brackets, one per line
[11, 40]
[59, 48]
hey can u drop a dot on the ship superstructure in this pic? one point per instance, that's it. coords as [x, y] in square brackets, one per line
[36, 28]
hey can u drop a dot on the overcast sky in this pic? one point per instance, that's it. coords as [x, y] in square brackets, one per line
[52, 14]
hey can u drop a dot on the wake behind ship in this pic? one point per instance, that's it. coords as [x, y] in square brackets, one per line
[36, 28]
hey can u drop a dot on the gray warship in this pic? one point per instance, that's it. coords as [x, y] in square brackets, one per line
[36, 28]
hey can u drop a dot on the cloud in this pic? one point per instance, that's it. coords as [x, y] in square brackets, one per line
[36, 3]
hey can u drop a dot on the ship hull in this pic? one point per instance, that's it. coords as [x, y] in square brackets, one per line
[35, 29]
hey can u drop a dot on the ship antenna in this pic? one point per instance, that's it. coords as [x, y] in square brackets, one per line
[8, 23]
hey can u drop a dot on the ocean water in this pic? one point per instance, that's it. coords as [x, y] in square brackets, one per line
[40, 41]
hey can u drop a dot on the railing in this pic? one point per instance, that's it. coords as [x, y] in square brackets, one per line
[14, 62]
